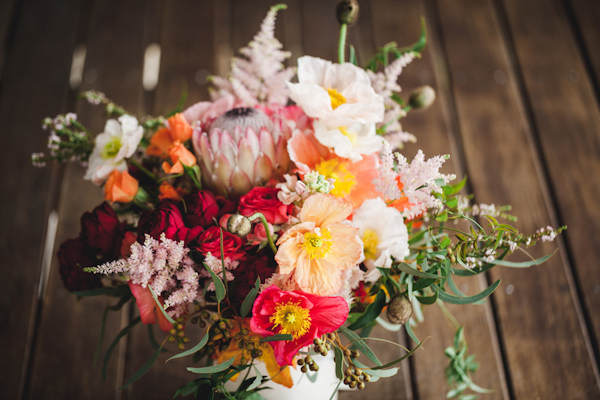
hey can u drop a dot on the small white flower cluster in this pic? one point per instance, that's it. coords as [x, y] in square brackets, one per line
[67, 142]
[417, 178]
[547, 234]
[260, 78]
[216, 266]
[293, 190]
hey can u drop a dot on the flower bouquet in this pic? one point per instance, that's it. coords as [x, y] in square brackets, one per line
[281, 219]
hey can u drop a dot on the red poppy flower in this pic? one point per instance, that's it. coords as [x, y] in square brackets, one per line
[302, 315]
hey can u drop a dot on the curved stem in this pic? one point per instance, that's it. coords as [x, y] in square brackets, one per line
[342, 44]
[143, 169]
[266, 225]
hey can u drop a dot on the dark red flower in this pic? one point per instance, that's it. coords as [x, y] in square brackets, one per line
[261, 265]
[202, 208]
[167, 219]
[264, 200]
[73, 256]
[209, 241]
[302, 315]
[102, 230]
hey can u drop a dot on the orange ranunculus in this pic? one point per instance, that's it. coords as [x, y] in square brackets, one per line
[177, 129]
[278, 374]
[179, 154]
[167, 191]
[120, 187]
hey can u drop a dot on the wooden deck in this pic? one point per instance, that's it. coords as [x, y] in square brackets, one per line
[517, 110]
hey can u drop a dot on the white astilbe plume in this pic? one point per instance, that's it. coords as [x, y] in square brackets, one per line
[260, 77]
[417, 179]
[386, 84]
[163, 265]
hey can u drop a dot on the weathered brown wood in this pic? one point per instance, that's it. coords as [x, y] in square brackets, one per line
[7, 21]
[69, 329]
[548, 52]
[539, 320]
[34, 85]
[585, 24]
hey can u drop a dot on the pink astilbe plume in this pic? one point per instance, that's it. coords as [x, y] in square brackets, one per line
[386, 84]
[163, 265]
[415, 181]
[260, 77]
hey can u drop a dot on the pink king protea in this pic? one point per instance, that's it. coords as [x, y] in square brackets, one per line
[242, 149]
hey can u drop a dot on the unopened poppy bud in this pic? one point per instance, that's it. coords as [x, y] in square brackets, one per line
[399, 310]
[346, 12]
[422, 97]
[239, 225]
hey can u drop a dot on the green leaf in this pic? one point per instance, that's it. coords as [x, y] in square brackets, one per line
[467, 300]
[180, 103]
[415, 272]
[151, 338]
[257, 381]
[193, 350]
[443, 217]
[452, 202]
[410, 332]
[360, 344]
[353, 55]
[277, 337]
[459, 186]
[114, 343]
[523, 264]
[457, 291]
[396, 361]
[194, 173]
[144, 368]
[160, 306]
[371, 313]
[219, 287]
[191, 387]
[445, 242]
[249, 300]
[213, 368]
[427, 299]
[381, 373]
[339, 363]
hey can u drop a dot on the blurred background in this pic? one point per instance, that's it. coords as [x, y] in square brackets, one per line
[516, 109]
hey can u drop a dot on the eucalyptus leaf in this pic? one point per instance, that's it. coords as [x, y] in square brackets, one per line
[219, 287]
[160, 306]
[257, 381]
[371, 313]
[114, 343]
[339, 362]
[380, 373]
[193, 350]
[523, 264]
[360, 344]
[144, 368]
[249, 300]
[213, 368]
[467, 300]
[415, 272]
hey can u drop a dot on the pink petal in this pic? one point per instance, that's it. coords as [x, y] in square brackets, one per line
[266, 144]
[263, 169]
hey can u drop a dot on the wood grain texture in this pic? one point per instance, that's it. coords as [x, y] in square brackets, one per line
[540, 324]
[34, 85]
[585, 26]
[69, 329]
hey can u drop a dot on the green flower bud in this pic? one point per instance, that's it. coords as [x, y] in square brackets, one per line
[346, 12]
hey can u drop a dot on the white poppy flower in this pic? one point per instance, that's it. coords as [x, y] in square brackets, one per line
[383, 233]
[349, 141]
[337, 94]
[118, 142]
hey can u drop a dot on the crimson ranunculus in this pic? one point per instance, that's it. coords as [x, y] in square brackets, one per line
[264, 200]
[201, 207]
[209, 241]
[302, 315]
[101, 230]
[73, 256]
[167, 219]
[261, 265]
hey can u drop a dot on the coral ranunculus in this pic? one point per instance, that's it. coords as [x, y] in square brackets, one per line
[302, 315]
[121, 187]
[179, 155]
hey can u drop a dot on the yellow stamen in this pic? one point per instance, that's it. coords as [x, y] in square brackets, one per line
[111, 149]
[291, 319]
[317, 244]
[350, 135]
[370, 241]
[336, 98]
[336, 169]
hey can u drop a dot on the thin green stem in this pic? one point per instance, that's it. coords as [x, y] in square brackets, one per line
[143, 169]
[342, 44]
[266, 225]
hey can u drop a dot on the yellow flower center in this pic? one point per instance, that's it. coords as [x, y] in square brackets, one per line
[291, 319]
[349, 135]
[370, 241]
[336, 98]
[111, 149]
[336, 169]
[318, 243]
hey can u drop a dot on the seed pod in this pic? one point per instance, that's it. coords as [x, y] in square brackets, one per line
[239, 225]
[346, 12]
[422, 97]
[399, 310]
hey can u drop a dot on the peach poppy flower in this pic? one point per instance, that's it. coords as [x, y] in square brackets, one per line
[353, 180]
[179, 154]
[120, 186]
[316, 251]
[242, 356]
[177, 129]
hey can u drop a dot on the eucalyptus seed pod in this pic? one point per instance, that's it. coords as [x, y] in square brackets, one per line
[422, 97]
[346, 12]
[239, 225]
[399, 310]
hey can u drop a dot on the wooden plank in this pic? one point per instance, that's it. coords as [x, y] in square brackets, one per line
[187, 43]
[35, 81]
[544, 346]
[7, 23]
[69, 329]
[400, 22]
[548, 53]
[585, 25]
